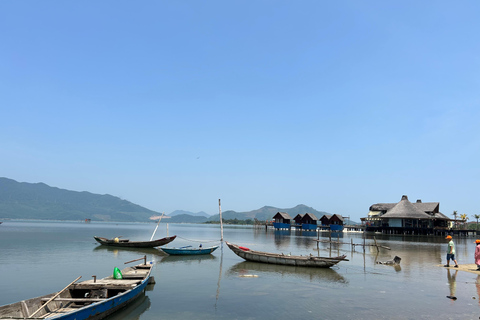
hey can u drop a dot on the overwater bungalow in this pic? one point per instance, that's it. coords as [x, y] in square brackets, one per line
[298, 219]
[333, 222]
[336, 222]
[309, 221]
[406, 217]
[325, 220]
[282, 220]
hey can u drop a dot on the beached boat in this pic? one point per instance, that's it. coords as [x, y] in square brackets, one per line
[280, 258]
[189, 250]
[92, 299]
[116, 242]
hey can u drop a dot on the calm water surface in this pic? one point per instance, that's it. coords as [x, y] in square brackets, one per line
[37, 258]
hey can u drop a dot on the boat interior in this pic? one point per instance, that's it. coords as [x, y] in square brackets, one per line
[75, 296]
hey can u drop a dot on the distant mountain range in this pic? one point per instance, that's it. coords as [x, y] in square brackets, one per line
[180, 212]
[21, 200]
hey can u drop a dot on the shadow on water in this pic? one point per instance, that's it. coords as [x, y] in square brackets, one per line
[194, 259]
[134, 310]
[144, 251]
[310, 274]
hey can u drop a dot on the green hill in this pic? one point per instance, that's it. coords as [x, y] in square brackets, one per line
[21, 200]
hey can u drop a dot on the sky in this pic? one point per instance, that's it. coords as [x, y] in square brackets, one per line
[173, 105]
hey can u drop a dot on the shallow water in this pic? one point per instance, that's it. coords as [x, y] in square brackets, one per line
[42, 257]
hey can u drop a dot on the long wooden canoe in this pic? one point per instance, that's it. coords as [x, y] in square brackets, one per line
[134, 244]
[280, 258]
[188, 250]
[88, 300]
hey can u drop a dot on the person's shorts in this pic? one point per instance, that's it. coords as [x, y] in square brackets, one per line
[450, 256]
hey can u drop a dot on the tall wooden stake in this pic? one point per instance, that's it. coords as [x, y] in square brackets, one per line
[221, 220]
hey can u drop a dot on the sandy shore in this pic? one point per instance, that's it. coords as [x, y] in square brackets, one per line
[463, 267]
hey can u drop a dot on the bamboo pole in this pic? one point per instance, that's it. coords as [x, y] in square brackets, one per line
[221, 220]
[58, 293]
[376, 245]
[144, 260]
[153, 234]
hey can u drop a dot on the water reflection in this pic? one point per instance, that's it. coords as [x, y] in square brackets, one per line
[310, 274]
[195, 259]
[477, 284]
[281, 239]
[134, 310]
[452, 283]
[144, 251]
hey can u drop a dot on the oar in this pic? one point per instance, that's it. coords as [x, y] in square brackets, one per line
[54, 297]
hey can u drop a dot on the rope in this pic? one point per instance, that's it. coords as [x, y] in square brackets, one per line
[204, 241]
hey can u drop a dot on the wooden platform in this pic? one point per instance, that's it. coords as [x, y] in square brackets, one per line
[463, 267]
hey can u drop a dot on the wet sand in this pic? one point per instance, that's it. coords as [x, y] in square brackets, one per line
[463, 267]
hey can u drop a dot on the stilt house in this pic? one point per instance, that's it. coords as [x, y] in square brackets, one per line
[282, 220]
[309, 221]
[406, 217]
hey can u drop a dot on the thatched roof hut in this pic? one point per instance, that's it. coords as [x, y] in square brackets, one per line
[337, 219]
[298, 218]
[325, 219]
[405, 210]
[282, 217]
[309, 218]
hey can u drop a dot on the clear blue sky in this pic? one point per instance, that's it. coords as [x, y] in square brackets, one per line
[176, 104]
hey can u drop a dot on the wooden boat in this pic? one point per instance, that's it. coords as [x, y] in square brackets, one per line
[280, 258]
[116, 242]
[189, 250]
[91, 299]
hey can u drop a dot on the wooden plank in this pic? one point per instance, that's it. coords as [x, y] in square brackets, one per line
[77, 299]
[102, 282]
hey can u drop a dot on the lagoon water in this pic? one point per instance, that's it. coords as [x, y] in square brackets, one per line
[38, 257]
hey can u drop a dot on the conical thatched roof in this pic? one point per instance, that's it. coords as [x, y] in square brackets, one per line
[405, 210]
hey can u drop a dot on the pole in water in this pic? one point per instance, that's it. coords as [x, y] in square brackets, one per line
[221, 222]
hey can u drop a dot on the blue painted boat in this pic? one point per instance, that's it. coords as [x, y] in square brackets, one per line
[189, 250]
[91, 299]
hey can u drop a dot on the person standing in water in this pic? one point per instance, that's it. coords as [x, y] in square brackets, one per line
[450, 252]
[477, 254]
